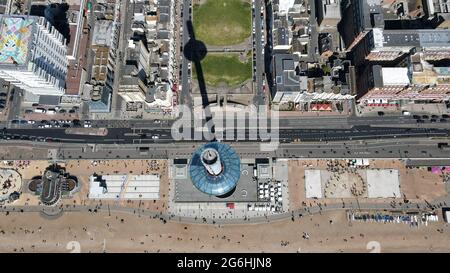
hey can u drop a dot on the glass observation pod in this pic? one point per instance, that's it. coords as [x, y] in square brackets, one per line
[215, 169]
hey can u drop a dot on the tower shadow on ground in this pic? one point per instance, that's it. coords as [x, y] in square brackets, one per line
[195, 51]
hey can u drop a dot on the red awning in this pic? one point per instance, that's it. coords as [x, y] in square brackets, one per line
[230, 205]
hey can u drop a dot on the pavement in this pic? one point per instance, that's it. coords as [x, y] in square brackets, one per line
[425, 150]
[310, 210]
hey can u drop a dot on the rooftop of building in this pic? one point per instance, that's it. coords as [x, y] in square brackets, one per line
[15, 35]
[412, 92]
[103, 30]
[400, 9]
[332, 12]
[424, 38]
[286, 78]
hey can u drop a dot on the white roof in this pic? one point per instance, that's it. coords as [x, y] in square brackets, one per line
[95, 191]
[395, 76]
[378, 37]
[362, 162]
[313, 184]
[447, 216]
[383, 183]
[285, 5]
[126, 187]
[282, 47]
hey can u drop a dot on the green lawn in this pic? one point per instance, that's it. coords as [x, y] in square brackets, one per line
[225, 68]
[222, 22]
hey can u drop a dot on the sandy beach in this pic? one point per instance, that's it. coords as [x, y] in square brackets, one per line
[98, 232]
[122, 232]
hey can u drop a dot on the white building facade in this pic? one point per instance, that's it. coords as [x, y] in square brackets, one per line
[33, 55]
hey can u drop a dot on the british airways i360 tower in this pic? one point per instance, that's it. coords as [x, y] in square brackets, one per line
[215, 169]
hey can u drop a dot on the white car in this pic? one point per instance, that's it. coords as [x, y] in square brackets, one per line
[406, 113]
[155, 137]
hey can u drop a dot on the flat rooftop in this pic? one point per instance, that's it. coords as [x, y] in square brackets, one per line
[185, 191]
[15, 36]
[286, 78]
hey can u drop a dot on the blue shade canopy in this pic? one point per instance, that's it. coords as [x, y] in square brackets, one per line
[222, 183]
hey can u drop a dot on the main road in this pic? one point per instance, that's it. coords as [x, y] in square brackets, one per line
[184, 96]
[284, 122]
[412, 148]
[258, 51]
[133, 136]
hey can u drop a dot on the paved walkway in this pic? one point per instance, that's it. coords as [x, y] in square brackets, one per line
[305, 211]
